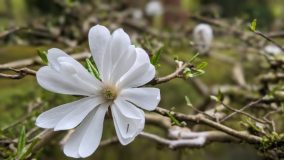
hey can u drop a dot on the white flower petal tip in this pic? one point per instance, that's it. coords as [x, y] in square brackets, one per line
[129, 121]
[86, 138]
[68, 116]
[203, 36]
[122, 69]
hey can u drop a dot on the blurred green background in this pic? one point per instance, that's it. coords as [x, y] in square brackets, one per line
[16, 95]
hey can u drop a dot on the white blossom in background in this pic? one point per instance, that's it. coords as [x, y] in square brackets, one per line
[272, 49]
[123, 68]
[203, 36]
[154, 8]
[137, 14]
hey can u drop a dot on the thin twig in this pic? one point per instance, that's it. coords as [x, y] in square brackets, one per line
[241, 110]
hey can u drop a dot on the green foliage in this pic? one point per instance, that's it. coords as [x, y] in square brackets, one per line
[190, 73]
[43, 55]
[197, 70]
[253, 25]
[173, 119]
[271, 141]
[219, 97]
[251, 126]
[29, 149]
[156, 57]
[23, 150]
[92, 68]
[193, 58]
[21, 142]
[201, 65]
[188, 102]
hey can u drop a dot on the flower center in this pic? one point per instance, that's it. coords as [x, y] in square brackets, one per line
[109, 93]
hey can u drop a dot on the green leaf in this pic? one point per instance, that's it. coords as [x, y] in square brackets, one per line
[214, 98]
[21, 142]
[29, 149]
[43, 56]
[173, 119]
[251, 125]
[253, 25]
[156, 57]
[201, 65]
[188, 102]
[220, 95]
[190, 73]
[193, 58]
[92, 69]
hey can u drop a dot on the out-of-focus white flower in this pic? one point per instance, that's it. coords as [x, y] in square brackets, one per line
[272, 49]
[203, 36]
[154, 8]
[137, 14]
[123, 68]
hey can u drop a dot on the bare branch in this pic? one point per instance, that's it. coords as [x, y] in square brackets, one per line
[198, 119]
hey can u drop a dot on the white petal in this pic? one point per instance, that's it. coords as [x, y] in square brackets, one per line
[140, 73]
[118, 45]
[99, 37]
[76, 116]
[123, 64]
[63, 83]
[146, 98]
[128, 121]
[144, 78]
[86, 138]
[68, 115]
[79, 69]
[66, 75]
[140, 76]
[57, 58]
[52, 55]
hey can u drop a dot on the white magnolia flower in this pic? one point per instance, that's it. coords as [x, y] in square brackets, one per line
[122, 69]
[154, 8]
[272, 49]
[203, 36]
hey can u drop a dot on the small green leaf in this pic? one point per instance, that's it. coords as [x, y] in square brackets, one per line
[173, 119]
[193, 58]
[29, 150]
[214, 98]
[92, 69]
[190, 73]
[43, 55]
[251, 125]
[201, 65]
[220, 95]
[188, 102]
[253, 25]
[21, 142]
[156, 57]
[198, 72]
